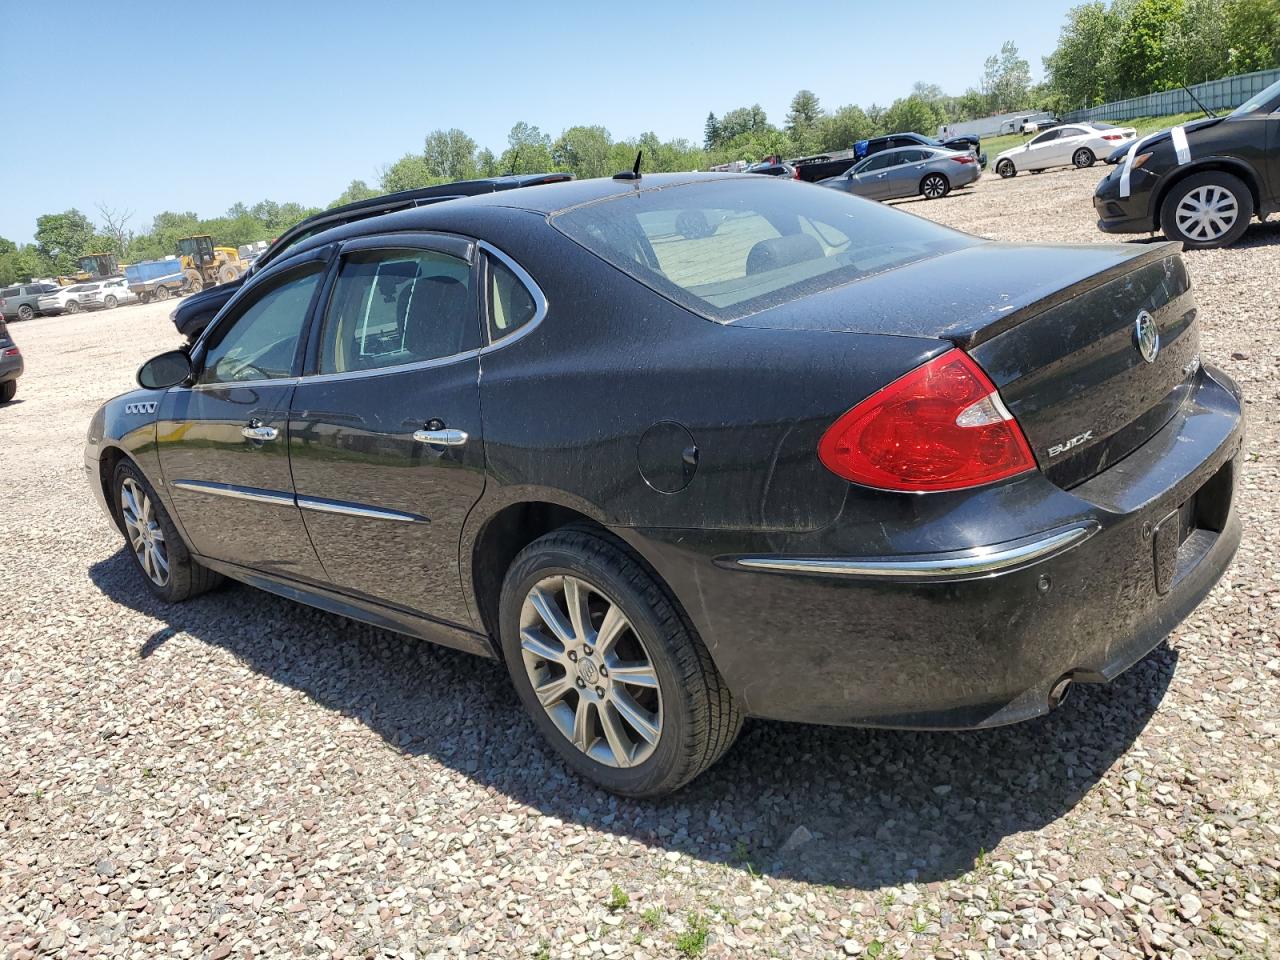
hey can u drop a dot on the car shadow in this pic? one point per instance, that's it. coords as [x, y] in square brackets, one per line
[1257, 235]
[881, 807]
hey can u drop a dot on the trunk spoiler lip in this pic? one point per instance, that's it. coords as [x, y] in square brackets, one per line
[1154, 253]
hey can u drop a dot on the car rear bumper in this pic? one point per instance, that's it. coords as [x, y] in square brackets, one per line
[983, 635]
[10, 367]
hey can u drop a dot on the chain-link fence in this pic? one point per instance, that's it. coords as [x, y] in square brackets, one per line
[1218, 95]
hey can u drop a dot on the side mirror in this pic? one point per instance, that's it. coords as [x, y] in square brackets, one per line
[167, 370]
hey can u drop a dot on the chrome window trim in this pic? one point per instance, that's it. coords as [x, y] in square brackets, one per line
[981, 561]
[539, 298]
[387, 371]
[320, 505]
[234, 384]
[254, 494]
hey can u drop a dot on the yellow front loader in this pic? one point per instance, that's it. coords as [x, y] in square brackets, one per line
[206, 265]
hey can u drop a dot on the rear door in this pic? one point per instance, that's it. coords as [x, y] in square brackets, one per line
[384, 431]
[222, 441]
[904, 174]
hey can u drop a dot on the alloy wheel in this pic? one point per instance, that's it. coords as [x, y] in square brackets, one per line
[1082, 159]
[143, 529]
[590, 671]
[934, 187]
[1207, 212]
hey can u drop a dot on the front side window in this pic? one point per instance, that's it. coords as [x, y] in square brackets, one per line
[511, 305]
[762, 244]
[1046, 137]
[391, 307]
[262, 341]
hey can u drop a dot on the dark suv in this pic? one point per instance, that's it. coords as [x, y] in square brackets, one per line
[194, 313]
[20, 303]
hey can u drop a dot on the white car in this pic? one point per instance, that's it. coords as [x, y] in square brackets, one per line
[1076, 144]
[116, 291]
[72, 299]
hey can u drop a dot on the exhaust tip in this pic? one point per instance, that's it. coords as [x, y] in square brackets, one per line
[1059, 692]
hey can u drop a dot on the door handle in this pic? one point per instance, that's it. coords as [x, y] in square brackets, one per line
[441, 438]
[256, 431]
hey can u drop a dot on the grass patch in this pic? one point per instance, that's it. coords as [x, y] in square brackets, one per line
[693, 942]
[618, 899]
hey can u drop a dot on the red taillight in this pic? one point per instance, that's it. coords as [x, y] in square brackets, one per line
[12, 352]
[940, 427]
[1112, 136]
[965, 159]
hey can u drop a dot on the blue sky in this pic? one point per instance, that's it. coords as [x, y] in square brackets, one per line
[134, 106]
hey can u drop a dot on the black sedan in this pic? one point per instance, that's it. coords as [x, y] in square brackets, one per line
[690, 448]
[1201, 182]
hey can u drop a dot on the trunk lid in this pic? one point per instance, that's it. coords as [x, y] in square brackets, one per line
[1054, 327]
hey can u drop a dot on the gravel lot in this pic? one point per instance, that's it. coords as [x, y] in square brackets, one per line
[243, 776]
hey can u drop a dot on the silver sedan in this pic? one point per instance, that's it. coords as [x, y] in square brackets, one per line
[907, 172]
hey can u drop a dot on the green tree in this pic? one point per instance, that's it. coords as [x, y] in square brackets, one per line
[408, 172]
[1006, 79]
[803, 117]
[62, 237]
[528, 150]
[711, 132]
[450, 154]
[842, 129]
[1077, 70]
[912, 114]
[742, 120]
[584, 152]
[1149, 47]
[1252, 35]
[486, 163]
[356, 190]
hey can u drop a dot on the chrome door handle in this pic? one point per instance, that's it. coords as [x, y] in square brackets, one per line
[256, 431]
[441, 438]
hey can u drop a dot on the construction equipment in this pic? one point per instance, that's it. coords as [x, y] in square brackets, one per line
[93, 266]
[156, 279]
[206, 265]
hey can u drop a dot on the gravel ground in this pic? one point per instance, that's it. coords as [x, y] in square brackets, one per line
[243, 776]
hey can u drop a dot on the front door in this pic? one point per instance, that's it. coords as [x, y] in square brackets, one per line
[384, 430]
[223, 441]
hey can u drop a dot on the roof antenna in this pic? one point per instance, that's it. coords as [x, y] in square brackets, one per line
[634, 172]
[515, 159]
[1206, 110]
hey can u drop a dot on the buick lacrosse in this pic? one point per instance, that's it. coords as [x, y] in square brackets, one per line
[682, 449]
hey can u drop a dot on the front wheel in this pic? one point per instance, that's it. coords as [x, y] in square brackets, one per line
[1083, 158]
[611, 672]
[162, 293]
[1207, 210]
[110, 303]
[153, 540]
[1006, 169]
[935, 186]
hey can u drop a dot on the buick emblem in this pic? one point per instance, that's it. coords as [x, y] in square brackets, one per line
[1148, 336]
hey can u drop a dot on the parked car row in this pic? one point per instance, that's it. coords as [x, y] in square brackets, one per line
[48, 299]
[929, 172]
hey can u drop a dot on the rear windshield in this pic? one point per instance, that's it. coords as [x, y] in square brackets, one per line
[730, 248]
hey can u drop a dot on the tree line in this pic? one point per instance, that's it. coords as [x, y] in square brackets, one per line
[1129, 48]
[1106, 51]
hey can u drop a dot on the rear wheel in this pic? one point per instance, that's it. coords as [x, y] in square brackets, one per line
[1207, 210]
[110, 302]
[935, 186]
[7, 390]
[611, 672]
[162, 293]
[25, 312]
[73, 306]
[227, 273]
[153, 540]
[1083, 158]
[1006, 169]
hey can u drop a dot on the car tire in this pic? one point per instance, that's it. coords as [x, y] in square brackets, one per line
[73, 306]
[1083, 158]
[1187, 211]
[7, 390]
[25, 312]
[934, 186]
[1006, 169]
[227, 273]
[153, 541]
[162, 293]
[641, 737]
[110, 302]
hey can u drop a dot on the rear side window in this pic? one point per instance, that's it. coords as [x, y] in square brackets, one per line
[398, 306]
[730, 248]
[11, 292]
[511, 304]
